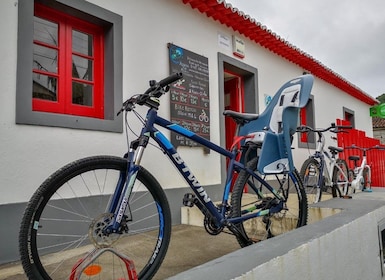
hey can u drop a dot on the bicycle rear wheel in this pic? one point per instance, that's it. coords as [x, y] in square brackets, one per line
[61, 230]
[310, 175]
[341, 179]
[249, 194]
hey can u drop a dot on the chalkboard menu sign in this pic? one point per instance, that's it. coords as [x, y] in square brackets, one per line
[189, 97]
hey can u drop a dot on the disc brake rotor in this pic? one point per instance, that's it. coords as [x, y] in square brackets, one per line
[96, 234]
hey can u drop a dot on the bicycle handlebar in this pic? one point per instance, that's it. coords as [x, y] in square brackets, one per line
[170, 79]
[376, 147]
[156, 89]
[332, 128]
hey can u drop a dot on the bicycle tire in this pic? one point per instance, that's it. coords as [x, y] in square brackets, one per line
[367, 179]
[351, 190]
[293, 215]
[341, 181]
[310, 175]
[63, 220]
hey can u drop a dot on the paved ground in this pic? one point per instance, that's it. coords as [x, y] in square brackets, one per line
[190, 246]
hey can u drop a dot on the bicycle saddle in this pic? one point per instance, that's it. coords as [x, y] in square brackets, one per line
[335, 150]
[240, 118]
[355, 159]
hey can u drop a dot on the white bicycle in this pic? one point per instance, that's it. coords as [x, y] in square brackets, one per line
[318, 176]
[361, 175]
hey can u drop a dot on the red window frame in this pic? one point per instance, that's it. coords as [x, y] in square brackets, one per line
[303, 121]
[63, 105]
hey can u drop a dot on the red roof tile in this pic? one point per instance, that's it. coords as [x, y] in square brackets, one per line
[255, 31]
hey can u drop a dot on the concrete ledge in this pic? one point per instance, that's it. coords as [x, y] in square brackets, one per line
[342, 246]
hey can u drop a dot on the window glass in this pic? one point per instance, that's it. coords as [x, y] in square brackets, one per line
[82, 43]
[82, 68]
[45, 59]
[44, 87]
[45, 31]
[349, 116]
[82, 94]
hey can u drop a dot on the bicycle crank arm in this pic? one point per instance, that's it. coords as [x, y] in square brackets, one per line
[235, 230]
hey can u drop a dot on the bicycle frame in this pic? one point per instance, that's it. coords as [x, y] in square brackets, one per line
[119, 201]
[358, 173]
[326, 171]
[320, 153]
[356, 183]
[323, 168]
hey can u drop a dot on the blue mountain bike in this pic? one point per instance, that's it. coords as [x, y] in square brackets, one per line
[107, 217]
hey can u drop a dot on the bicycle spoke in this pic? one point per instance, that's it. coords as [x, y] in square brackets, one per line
[247, 199]
[68, 221]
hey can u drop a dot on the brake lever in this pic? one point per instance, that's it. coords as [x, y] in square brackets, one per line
[301, 129]
[128, 105]
[122, 109]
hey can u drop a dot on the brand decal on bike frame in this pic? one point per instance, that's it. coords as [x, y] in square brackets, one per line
[191, 177]
[124, 203]
[122, 209]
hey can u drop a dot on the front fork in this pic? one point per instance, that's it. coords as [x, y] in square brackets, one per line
[119, 202]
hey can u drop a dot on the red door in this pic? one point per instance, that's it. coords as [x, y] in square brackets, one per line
[233, 101]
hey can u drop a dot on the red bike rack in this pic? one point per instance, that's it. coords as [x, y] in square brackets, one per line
[93, 265]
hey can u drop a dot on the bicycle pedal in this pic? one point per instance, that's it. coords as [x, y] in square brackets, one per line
[189, 199]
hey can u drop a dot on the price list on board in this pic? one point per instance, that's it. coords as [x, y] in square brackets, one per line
[189, 97]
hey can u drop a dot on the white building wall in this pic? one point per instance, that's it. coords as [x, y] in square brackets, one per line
[30, 153]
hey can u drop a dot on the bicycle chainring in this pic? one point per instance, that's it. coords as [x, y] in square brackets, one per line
[211, 227]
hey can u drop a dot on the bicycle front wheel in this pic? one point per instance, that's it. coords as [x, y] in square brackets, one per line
[61, 234]
[310, 175]
[249, 195]
[351, 190]
[367, 179]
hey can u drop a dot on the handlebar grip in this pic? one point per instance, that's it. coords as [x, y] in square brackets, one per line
[303, 128]
[344, 126]
[170, 79]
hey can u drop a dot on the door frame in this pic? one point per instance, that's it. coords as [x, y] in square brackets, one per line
[249, 76]
[234, 95]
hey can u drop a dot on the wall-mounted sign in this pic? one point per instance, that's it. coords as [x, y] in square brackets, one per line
[224, 41]
[378, 111]
[238, 47]
[267, 99]
[189, 98]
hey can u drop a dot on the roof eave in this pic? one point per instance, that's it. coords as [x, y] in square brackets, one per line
[255, 31]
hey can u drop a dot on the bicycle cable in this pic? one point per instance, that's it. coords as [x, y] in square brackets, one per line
[128, 127]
